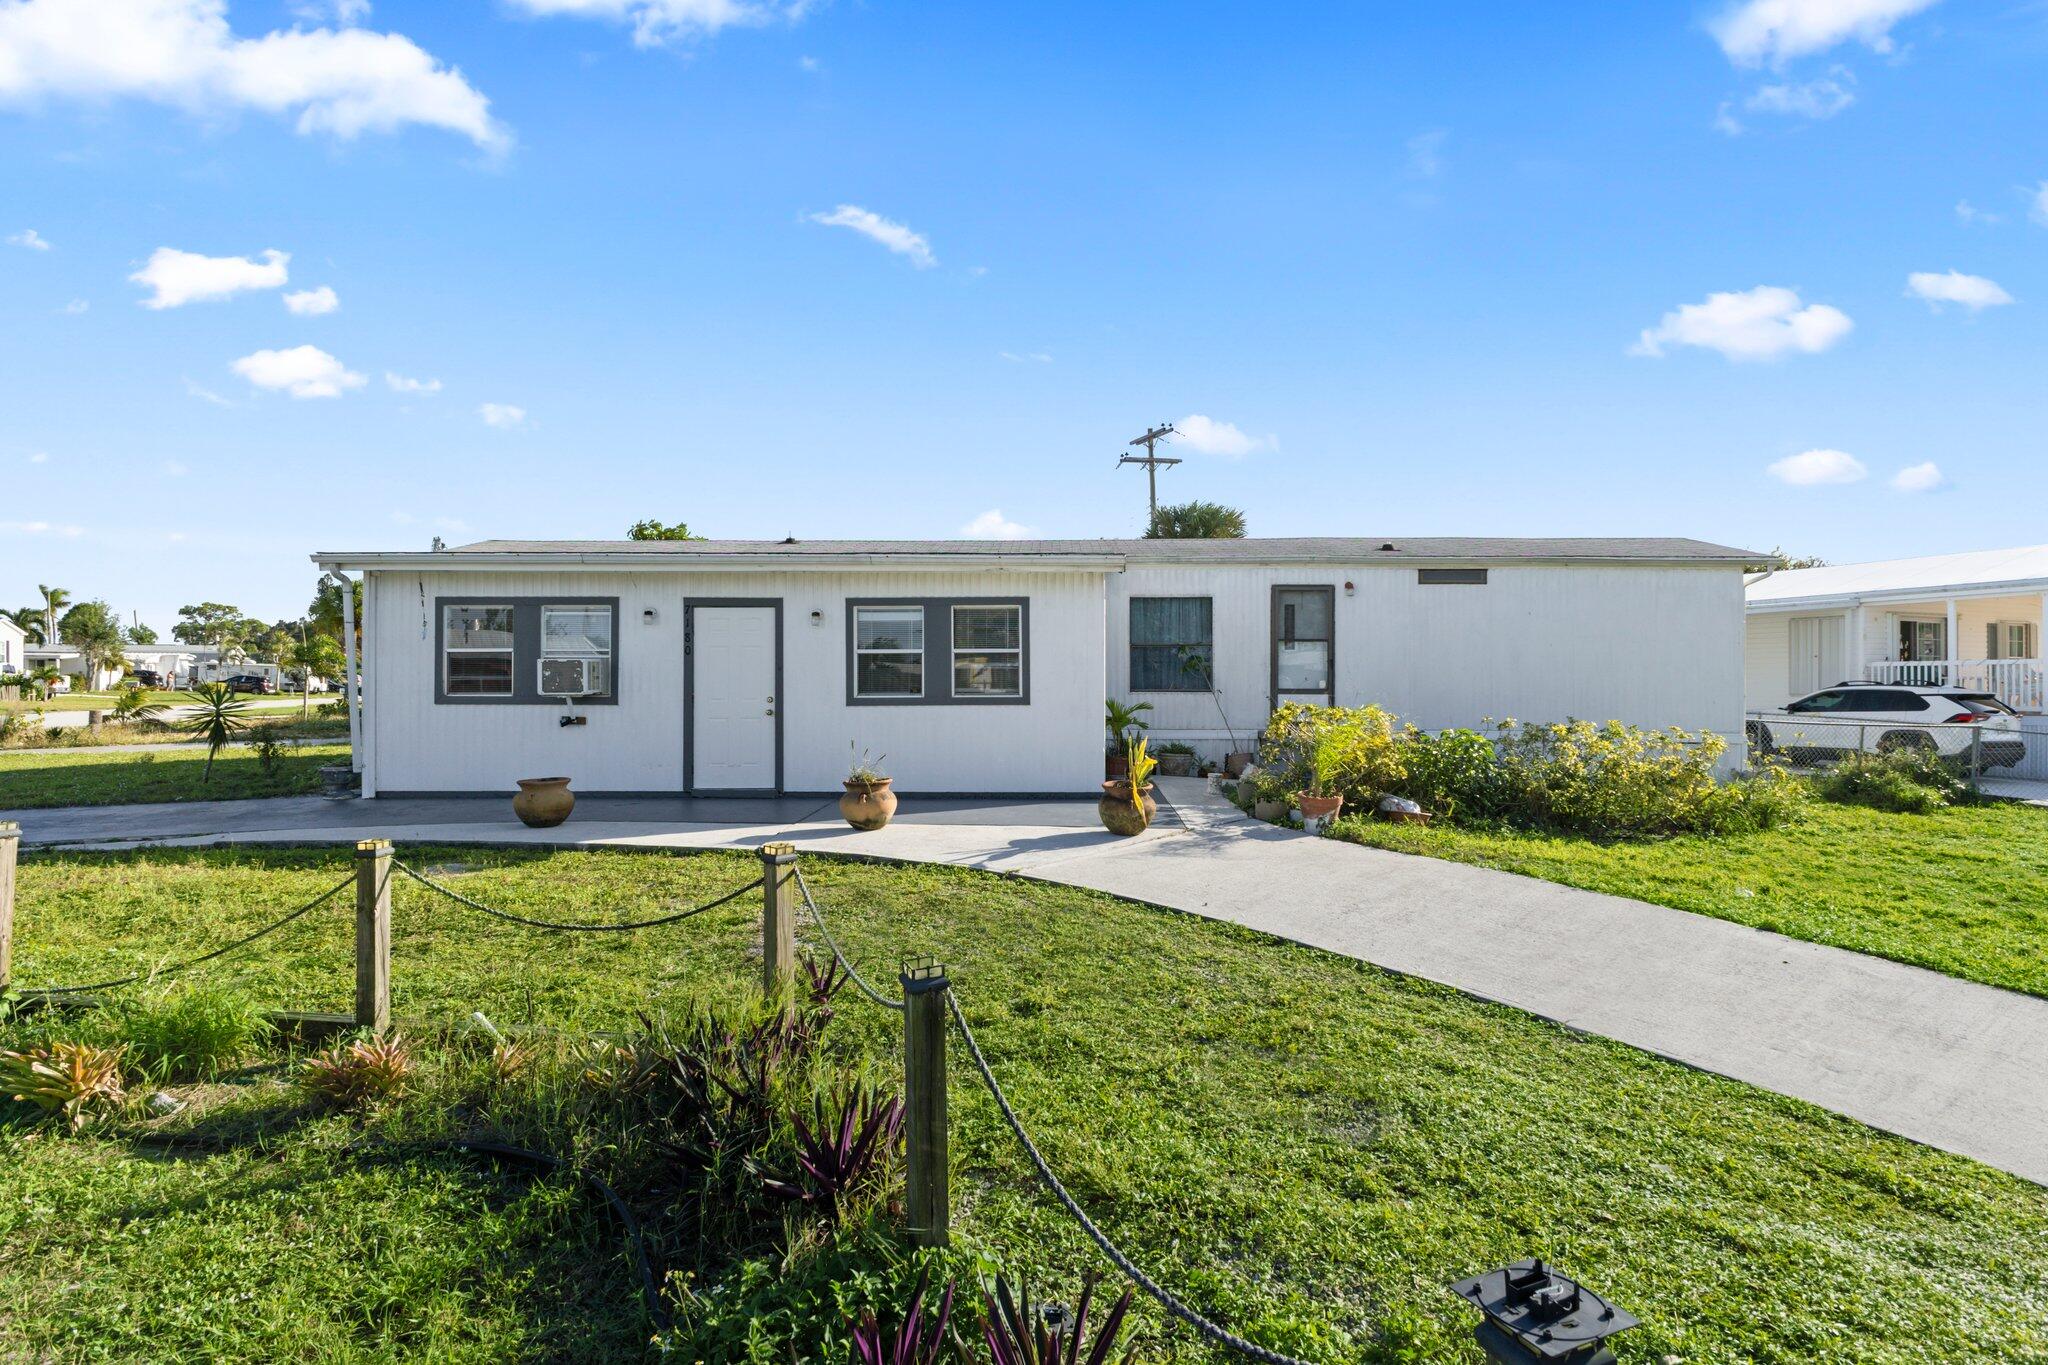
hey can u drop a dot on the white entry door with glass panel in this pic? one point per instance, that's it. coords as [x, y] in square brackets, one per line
[1304, 640]
[734, 707]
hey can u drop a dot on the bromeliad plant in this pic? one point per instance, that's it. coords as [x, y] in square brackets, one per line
[66, 1079]
[1019, 1333]
[917, 1340]
[843, 1147]
[359, 1074]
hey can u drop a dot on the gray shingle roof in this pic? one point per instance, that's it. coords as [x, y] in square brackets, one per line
[1334, 549]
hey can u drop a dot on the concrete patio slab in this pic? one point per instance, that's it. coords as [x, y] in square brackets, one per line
[1946, 1062]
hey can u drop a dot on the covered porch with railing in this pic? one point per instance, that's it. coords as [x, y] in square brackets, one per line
[1982, 643]
[2020, 683]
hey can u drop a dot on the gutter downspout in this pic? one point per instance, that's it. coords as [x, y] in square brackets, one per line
[348, 678]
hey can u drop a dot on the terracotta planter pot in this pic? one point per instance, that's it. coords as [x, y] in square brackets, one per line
[868, 805]
[1236, 763]
[1319, 807]
[1115, 766]
[543, 802]
[1119, 816]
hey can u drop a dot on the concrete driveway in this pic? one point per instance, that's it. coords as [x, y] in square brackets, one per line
[1946, 1062]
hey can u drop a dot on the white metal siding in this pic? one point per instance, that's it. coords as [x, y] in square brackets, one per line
[1053, 744]
[1650, 646]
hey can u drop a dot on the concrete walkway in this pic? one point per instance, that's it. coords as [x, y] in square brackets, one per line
[1947, 1062]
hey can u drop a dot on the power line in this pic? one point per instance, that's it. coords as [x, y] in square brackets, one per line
[1151, 459]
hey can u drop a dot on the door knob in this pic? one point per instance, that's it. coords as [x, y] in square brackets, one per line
[770, 711]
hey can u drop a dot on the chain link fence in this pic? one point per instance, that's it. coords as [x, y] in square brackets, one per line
[2001, 748]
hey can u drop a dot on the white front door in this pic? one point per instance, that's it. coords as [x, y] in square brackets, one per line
[733, 701]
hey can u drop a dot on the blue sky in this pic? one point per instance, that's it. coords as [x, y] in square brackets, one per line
[895, 269]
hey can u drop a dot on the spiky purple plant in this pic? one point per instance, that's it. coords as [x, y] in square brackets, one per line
[916, 1340]
[1019, 1335]
[842, 1147]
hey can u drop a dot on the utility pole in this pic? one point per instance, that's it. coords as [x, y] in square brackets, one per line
[1151, 459]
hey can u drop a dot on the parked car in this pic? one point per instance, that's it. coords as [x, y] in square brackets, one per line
[307, 684]
[1883, 718]
[150, 678]
[250, 682]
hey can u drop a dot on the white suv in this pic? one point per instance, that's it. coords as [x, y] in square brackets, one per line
[1886, 717]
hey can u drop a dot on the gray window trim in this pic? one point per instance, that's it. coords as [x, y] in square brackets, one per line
[525, 645]
[1131, 646]
[1444, 577]
[938, 644]
[1273, 647]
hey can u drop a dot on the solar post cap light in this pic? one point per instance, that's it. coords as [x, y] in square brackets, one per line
[1535, 1316]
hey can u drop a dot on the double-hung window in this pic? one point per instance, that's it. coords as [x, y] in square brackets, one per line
[1172, 644]
[888, 651]
[576, 650]
[2010, 640]
[988, 651]
[476, 650]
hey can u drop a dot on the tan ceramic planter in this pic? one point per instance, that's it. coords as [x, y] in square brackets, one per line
[543, 802]
[1119, 816]
[868, 805]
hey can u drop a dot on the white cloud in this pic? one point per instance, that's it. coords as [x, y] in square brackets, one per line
[29, 238]
[892, 235]
[1757, 324]
[311, 303]
[1026, 357]
[182, 53]
[75, 307]
[656, 22]
[177, 469]
[1816, 99]
[181, 277]
[1726, 122]
[503, 416]
[1426, 153]
[1812, 468]
[1918, 478]
[208, 395]
[1970, 213]
[343, 12]
[2040, 209]
[1207, 436]
[1971, 291]
[993, 525]
[398, 383]
[40, 457]
[810, 64]
[302, 371]
[41, 528]
[1754, 32]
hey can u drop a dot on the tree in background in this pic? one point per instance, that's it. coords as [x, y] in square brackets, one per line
[312, 656]
[1787, 562]
[217, 719]
[30, 619]
[1196, 521]
[53, 599]
[95, 632]
[654, 530]
[139, 634]
[213, 623]
[324, 615]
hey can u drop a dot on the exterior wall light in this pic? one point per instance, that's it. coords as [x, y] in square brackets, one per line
[817, 618]
[1535, 1316]
[647, 615]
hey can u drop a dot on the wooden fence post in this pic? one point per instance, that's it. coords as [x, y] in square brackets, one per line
[10, 846]
[778, 917]
[373, 935]
[928, 1199]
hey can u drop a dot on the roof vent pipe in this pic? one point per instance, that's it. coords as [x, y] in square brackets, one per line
[1388, 546]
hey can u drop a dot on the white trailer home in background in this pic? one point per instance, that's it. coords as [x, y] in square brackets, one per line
[1976, 620]
[981, 666]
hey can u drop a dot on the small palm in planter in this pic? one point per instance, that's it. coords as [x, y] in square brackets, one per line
[1323, 799]
[1127, 806]
[868, 803]
[1124, 723]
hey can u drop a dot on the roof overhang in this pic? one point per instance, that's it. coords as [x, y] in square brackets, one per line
[2019, 587]
[627, 562]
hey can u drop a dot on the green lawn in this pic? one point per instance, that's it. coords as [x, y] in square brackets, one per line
[34, 778]
[1963, 891]
[284, 724]
[1308, 1147]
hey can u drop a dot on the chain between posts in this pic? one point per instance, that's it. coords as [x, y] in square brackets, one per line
[461, 899]
[818, 918]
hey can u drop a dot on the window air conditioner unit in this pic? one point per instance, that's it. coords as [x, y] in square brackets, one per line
[567, 676]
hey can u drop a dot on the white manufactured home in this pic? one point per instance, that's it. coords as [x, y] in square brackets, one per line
[981, 666]
[1975, 620]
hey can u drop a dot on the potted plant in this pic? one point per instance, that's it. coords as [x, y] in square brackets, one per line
[1322, 799]
[1124, 724]
[868, 802]
[1176, 759]
[1127, 806]
[543, 802]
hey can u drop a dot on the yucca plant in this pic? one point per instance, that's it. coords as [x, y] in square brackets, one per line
[1018, 1333]
[67, 1079]
[917, 1340]
[218, 720]
[843, 1147]
[354, 1075]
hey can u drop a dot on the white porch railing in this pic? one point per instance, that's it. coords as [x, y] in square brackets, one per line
[2020, 683]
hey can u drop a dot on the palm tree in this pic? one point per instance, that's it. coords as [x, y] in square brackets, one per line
[219, 720]
[53, 599]
[1196, 521]
[43, 678]
[30, 619]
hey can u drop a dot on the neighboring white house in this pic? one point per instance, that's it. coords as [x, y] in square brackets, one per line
[13, 647]
[981, 666]
[1972, 620]
[71, 664]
